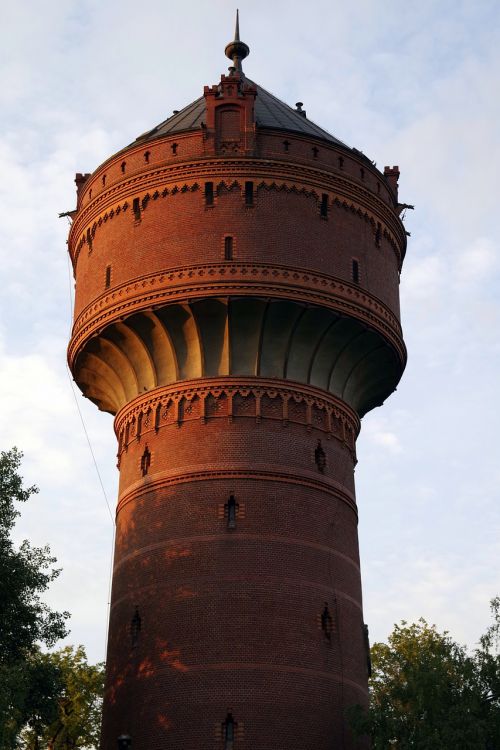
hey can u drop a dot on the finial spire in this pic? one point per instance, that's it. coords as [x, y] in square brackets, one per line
[237, 50]
[237, 28]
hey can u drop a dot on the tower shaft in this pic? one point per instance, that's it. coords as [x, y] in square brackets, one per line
[231, 599]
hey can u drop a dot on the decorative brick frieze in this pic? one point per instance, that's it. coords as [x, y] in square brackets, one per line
[233, 398]
[341, 194]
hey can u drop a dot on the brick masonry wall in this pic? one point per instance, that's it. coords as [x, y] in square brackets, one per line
[279, 227]
[231, 618]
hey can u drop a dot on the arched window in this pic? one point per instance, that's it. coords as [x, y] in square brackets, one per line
[320, 457]
[228, 731]
[145, 461]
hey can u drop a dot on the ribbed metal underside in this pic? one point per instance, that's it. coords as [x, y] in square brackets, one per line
[238, 337]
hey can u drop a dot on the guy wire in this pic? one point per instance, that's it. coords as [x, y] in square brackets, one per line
[108, 606]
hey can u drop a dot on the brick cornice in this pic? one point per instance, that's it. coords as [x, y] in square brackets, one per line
[229, 386]
[235, 279]
[181, 177]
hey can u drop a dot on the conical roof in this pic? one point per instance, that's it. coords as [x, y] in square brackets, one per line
[270, 112]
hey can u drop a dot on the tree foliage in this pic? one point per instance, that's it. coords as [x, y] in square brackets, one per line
[27, 679]
[76, 716]
[429, 692]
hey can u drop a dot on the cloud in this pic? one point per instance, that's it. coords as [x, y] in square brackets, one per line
[439, 588]
[387, 440]
[477, 262]
[423, 279]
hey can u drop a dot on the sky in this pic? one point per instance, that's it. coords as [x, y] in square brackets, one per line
[415, 85]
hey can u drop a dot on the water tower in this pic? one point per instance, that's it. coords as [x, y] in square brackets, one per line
[237, 308]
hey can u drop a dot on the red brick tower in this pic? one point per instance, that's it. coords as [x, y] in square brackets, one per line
[237, 273]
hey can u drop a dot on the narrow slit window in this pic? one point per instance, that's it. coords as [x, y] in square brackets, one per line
[320, 457]
[249, 193]
[174, 148]
[103, 180]
[108, 277]
[355, 271]
[231, 509]
[123, 166]
[326, 622]
[209, 193]
[286, 145]
[136, 207]
[362, 173]
[147, 154]
[323, 211]
[341, 162]
[228, 248]
[228, 731]
[315, 152]
[145, 461]
[135, 627]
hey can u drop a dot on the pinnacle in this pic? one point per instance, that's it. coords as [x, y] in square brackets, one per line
[237, 50]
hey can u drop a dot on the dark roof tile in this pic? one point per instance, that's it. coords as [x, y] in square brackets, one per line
[270, 112]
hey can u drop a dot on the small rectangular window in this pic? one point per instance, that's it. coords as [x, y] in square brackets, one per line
[323, 211]
[108, 277]
[228, 248]
[355, 271]
[231, 511]
[136, 207]
[248, 193]
[209, 193]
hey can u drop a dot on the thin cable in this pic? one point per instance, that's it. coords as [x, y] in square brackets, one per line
[110, 577]
[78, 405]
[90, 446]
